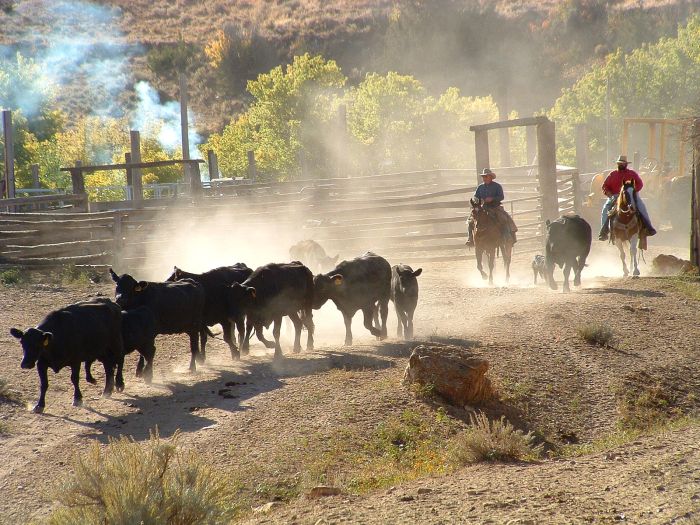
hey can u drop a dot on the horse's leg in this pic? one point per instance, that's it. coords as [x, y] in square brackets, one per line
[633, 255]
[479, 254]
[492, 260]
[507, 254]
[621, 247]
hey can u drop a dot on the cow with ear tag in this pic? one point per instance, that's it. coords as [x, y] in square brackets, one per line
[80, 333]
[270, 293]
[362, 283]
[178, 307]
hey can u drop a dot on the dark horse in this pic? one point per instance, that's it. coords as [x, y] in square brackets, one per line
[488, 237]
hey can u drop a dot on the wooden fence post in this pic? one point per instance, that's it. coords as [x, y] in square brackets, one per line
[129, 178]
[9, 153]
[576, 187]
[213, 164]
[530, 144]
[252, 168]
[137, 186]
[582, 148]
[184, 125]
[547, 169]
[695, 197]
[35, 176]
[78, 178]
[195, 179]
[481, 144]
[635, 161]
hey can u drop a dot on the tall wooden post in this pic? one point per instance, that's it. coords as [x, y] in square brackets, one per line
[129, 178]
[184, 126]
[35, 176]
[136, 186]
[695, 197]
[481, 144]
[576, 187]
[213, 164]
[9, 153]
[195, 179]
[547, 169]
[252, 168]
[78, 178]
[582, 148]
[530, 144]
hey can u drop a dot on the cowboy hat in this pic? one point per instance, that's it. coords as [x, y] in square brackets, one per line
[622, 159]
[487, 171]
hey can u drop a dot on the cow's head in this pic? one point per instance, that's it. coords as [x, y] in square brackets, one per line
[240, 298]
[325, 287]
[128, 289]
[407, 277]
[34, 343]
[176, 275]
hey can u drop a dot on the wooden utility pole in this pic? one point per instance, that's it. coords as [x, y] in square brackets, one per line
[481, 143]
[213, 164]
[35, 176]
[9, 153]
[137, 186]
[184, 126]
[78, 179]
[252, 168]
[547, 169]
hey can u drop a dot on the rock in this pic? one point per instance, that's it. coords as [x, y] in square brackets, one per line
[323, 491]
[424, 490]
[406, 498]
[454, 374]
[267, 507]
[671, 265]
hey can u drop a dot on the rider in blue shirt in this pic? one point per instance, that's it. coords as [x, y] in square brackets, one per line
[491, 194]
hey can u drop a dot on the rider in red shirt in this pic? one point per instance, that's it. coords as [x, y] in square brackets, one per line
[611, 187]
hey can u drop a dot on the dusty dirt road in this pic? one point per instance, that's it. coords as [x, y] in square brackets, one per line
[261, 421]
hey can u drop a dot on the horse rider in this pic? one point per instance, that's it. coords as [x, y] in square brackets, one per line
[491, 194]
[611, 187]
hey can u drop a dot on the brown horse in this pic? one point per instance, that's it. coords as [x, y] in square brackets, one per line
[626, 227]
[488, 237]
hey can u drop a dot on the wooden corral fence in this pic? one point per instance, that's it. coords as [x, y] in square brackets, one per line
[414, 217]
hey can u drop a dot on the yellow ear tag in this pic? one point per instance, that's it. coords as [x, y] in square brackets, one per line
[46, 342]
[338, 281]
[137, 289]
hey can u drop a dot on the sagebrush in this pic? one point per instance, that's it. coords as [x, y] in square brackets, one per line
[493, 440]
[596, 334]
[152, 482]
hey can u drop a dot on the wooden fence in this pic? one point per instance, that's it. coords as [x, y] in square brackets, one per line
[416, 217]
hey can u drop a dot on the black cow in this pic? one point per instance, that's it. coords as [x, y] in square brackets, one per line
[178, 307]
[216, 285]
[568, 244]
[539, 267]
[79, 333]
[139, 330]
[313, 255]
[358, 284]
[404, 294]
[271, 292]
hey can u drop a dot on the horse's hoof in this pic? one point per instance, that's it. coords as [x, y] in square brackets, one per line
[484, 276]
[38, 409]
[91, 380]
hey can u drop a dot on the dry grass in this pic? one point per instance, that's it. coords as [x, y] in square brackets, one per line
[596, 334]
[495, 440]
[7, 393]
[151, 482]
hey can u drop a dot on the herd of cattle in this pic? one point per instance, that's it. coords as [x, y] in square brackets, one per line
[241, 299]
[236, 297]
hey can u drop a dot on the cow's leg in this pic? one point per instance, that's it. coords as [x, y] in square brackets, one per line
[261, 336]
[119, 381]
[43, 387]
[633, 256]
[294, 317]
[194, 350]
[88, 373]
[567, 272]
[307, 317]
[401, 318]
[534, 272]
[276, 328]
[202, 353]
[240, 327]
[75, 379]
[227, 326]
[245, 345]
[139, 366]
[479, 254]
[580, 264]
[367, 313]
[149, 354]
[409, 323]
[375, 318]
[109, 378]
[384, 312]
[348, 329]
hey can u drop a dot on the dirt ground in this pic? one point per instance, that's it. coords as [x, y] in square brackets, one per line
[262, 420]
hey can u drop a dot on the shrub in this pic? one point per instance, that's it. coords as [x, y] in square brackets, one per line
[7, 393]
[151, 482]
[494, 440]
[596, 334]
[11, 276]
